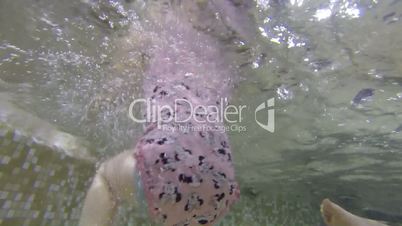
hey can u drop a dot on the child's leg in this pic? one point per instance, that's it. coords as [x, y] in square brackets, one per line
[334, 215]
[99, 205]
[113, 182]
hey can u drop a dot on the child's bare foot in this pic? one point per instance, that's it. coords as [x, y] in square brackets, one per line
[334, 215]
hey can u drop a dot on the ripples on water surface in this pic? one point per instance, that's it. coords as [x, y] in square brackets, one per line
[68, 74]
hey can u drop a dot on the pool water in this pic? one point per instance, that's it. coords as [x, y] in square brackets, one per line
[70, 69]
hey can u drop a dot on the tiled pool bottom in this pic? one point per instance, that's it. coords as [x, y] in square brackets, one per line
[39, 186]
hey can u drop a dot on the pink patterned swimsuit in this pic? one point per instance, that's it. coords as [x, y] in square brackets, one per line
[187, 175]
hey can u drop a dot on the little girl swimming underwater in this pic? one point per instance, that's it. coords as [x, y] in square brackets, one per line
[186, 176]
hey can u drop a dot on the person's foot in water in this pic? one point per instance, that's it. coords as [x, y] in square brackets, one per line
[334, 215]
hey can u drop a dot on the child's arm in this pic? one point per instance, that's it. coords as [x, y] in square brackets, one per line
[114, 181]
